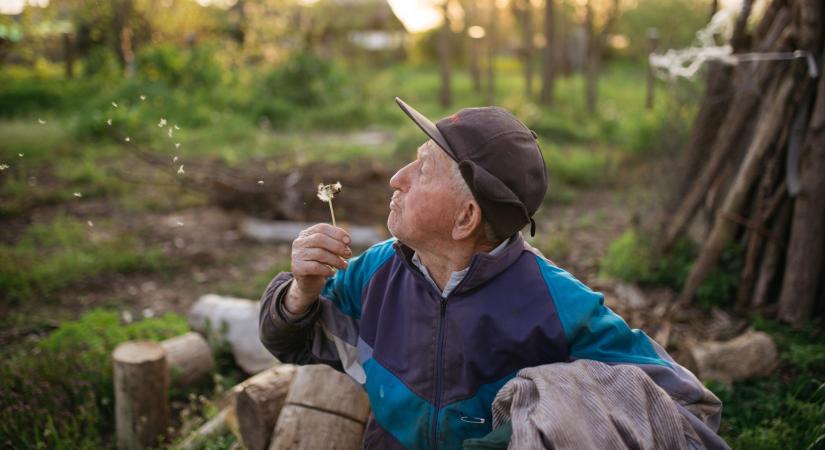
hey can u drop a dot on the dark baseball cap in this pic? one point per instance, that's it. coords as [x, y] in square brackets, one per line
[499, 158]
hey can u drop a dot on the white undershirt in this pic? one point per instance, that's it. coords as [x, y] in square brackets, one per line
[455, 277]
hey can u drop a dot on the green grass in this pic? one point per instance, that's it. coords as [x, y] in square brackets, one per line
[786, 409]
[57, 393]
[50, 257]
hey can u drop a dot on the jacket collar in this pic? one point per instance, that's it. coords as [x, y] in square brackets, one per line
[483, 266]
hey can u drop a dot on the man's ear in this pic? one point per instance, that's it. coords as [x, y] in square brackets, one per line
[467, 220]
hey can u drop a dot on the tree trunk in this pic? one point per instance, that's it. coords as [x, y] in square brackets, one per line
[491, 53]
[444, 58]
[804, 261]
[591, 80]
[189, 358]
[474, 44]
[141, 384]
[548, 60]
[521, 10]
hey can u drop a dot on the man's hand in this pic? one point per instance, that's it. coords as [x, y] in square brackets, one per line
[315, 252]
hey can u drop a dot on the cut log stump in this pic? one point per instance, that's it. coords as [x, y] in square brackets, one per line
[189, 358]
[749, 355]
[324, 409]
[141, 384]
[259, 404]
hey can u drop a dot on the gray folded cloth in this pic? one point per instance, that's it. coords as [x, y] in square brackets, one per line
[588, 404]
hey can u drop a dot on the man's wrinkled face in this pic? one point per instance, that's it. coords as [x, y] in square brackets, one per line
[424, 202]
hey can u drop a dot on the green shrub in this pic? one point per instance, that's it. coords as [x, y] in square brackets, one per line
[58, 393]
[632, 257]
[719, 288]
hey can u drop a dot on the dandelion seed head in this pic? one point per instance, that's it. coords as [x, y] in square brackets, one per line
[180, 170]
[114, 104]
[326, 192]
[41, 121]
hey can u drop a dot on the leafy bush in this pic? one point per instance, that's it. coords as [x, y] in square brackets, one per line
[58, 393]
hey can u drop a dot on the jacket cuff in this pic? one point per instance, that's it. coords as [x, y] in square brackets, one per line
[280, 313]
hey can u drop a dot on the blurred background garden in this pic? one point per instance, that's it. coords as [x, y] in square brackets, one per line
[139, 139]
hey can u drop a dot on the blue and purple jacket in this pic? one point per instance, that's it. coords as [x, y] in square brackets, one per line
[432, 366]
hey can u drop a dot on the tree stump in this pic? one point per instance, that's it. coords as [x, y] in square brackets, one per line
[259, 403]
[746, 356]
[141, 383]
[323, 409]
[189, 358]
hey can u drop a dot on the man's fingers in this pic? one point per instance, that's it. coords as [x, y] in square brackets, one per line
[322, 256]
[336, 233]
[322, 241]
[312, 269]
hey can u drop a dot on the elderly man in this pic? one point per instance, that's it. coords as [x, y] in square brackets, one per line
[433, 322]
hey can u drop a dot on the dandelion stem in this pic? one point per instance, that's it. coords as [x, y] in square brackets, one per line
[331, 212]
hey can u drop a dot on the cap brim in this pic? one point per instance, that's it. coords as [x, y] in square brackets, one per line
[427, 126]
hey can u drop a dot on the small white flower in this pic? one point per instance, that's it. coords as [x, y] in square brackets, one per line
[170, 133]
[20, 155]
[142, 97]
[114, 104]
[148, 313]
[109, 122]
[41, 121]
[4, 166]
[260, 181]
[180, 170]
[177, 144]
[176, 127]
[78, 194]
[90, 223]
[175, 159]
[127, 139]
[162, 123]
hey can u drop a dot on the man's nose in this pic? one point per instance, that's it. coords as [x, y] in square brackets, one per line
[399, 180]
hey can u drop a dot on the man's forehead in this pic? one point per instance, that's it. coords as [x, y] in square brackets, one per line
[427, 149]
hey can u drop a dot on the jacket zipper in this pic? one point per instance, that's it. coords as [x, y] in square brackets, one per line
[438, 356]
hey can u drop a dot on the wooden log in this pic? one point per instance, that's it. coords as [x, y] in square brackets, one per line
[141, 384]
[770, 123]
[750, 355]
[259, 403]
[324, 409]
[189, 358]
[805, 260]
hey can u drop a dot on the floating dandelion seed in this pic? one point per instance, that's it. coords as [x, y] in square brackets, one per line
[180, 170]
[127, 139]
[4, 166]
[41, 121]
[20, 155]
[114, 104]
[178, 223]
[177, 144]
[326, 192]
[142, 97]
[170, 133]
[109, 122]
[175, 159]
[176, 127]
[162, 123]
[78, 194]
[260, 181]
[90, 223]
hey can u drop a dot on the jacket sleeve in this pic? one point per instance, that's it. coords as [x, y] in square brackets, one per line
[328, 332]
[593, 331]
